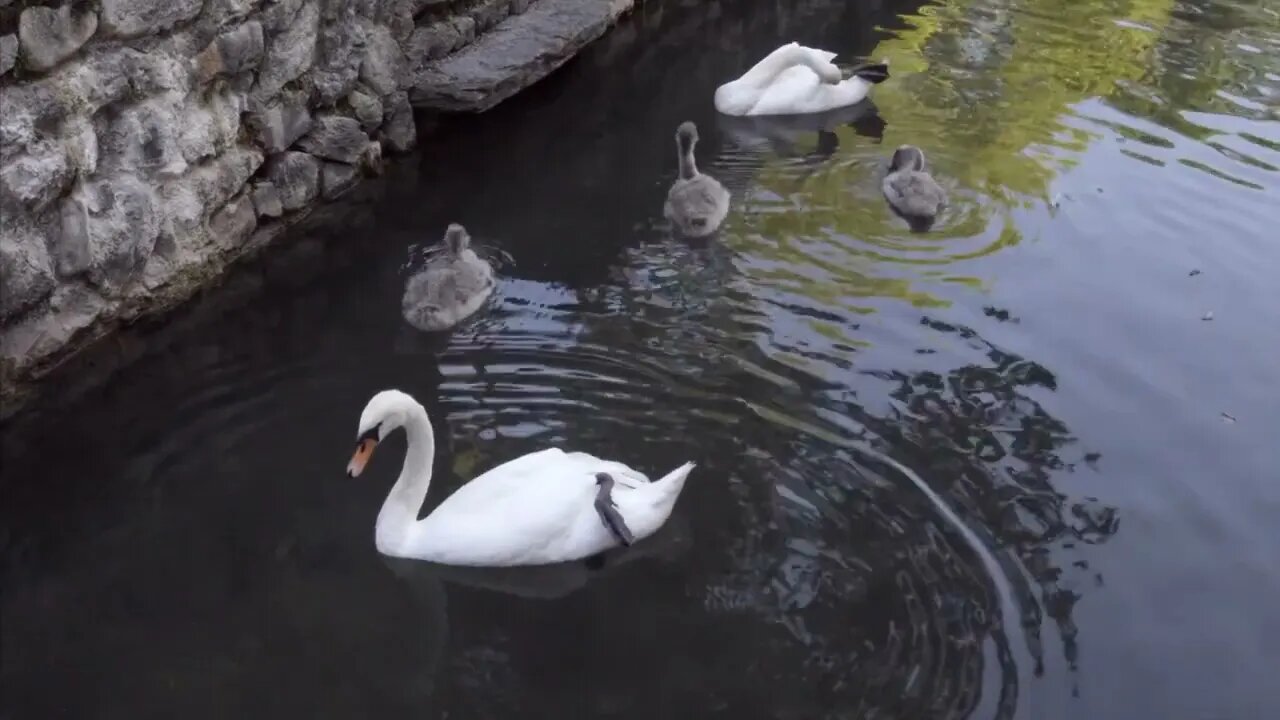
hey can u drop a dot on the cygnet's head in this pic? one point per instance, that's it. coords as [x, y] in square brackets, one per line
[385, 412]
[907, 157]
[456, 239]
[686, 135]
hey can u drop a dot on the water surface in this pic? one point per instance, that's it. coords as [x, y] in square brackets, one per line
[179, 537]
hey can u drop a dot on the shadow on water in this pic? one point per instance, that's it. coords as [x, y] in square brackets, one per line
[909, 448]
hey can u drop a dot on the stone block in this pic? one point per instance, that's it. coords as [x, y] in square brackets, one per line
[296, 177]
[383, 68]
[399, 133]
[130, 18]
[334, 137]
[230, 226]
[8, 53]
[36, 178]
[266, 200]
[337, 178]
[279, 124]
[26, 272]
[367, 108]
[232, 52]
[109, 228]
[50, 35]
[289, 53]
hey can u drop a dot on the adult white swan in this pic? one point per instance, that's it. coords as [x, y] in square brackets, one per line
[794, 80]
[545, 507]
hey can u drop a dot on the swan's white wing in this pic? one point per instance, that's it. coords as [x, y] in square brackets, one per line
[513, 476]
[790, 92]
[481, 490]
[622, 474]
[528, 511]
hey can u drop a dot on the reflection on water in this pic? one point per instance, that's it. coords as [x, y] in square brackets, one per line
[915, 451]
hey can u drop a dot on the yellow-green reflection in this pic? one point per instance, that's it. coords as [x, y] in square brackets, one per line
[984, 88]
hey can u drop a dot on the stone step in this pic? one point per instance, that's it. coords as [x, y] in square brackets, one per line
[517, 53]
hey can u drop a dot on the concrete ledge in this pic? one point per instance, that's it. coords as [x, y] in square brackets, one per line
[519, 52]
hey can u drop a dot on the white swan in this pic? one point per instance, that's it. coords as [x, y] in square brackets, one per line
[536, 509]
[452, 287]
[696, 203]
[794, 80]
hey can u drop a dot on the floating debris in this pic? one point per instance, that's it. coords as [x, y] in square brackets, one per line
[1193, 273]
[1207, 316]
[1228, 418]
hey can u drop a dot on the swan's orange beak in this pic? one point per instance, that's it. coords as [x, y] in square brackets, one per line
[364, 451]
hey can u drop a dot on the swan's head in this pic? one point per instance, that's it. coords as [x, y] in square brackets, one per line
[385, 412]
[907, 157]
[456, 239]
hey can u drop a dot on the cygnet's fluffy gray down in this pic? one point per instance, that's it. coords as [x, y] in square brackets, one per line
[452, 286]
[696, 203]
[909, 188]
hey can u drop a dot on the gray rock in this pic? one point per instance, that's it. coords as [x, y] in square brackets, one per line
[371, 159]
[266, 200]
[129, 18]
[105, 76]
[224, 13]
[46, 330]
[230, 226]
[367, 108]
[69, 249]
[49, 36]
[24, 107]
[8, 53]
[336, 178]
[441, 38]
[109, 228]
[279, 14]
[519, 6]
[399, 133]
[399, 19]
[383, 68]
[232, 52]
[280, 124]
[514, 55]
[296, 176]
[211, 126]
[337, 64]
[144, 137]
[37, 178]
[81, 142]
[188, 200]
[289, 53]
[488, 13]
[26, 273]
[433, 41]
[334, 137]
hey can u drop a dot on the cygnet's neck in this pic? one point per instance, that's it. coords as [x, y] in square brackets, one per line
[688, 167]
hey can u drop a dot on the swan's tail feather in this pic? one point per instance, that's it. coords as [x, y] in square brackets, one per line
[673, 482]
[874, 73]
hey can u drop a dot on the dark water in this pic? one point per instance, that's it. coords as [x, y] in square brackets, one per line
[179, 538]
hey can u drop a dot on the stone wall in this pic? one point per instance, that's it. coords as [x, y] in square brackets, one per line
[145, 144]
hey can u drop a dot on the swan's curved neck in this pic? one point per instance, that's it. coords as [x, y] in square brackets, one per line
[763, 72]
[399, 511]
[688, 168]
